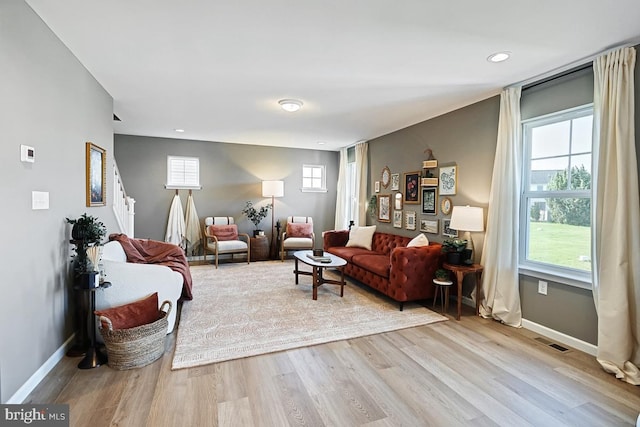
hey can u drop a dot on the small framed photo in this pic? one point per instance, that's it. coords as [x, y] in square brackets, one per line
[397, 219]
[412, 188]
[395, 182]
[384, 208]
[429, 226]
[448, 231]
[410, 220]
[429, 197]
[376, 186]
[397, 201]
[448, 180]
[96, 159]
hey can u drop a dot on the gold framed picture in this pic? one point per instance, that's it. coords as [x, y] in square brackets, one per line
[384, 208]
[96, 162]
[412, 188]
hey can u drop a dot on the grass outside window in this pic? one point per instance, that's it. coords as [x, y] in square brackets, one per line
[560, 245]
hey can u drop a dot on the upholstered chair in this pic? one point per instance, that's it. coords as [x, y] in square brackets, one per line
[297, 235]
[222, 237]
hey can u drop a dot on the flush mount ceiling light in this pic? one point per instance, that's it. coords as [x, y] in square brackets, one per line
[290, 105]
[499, 57]
[179, 130]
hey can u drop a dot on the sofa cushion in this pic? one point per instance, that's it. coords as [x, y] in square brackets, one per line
[361, 237]
[419, 240]
[299, 229]
[347, 253]
[375, 263]
[133, 314]
[224, 232]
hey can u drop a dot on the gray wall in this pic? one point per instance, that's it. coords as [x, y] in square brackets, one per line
[50, 102]
[465, 137]
[230, 175]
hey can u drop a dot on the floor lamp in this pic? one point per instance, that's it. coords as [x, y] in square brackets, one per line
[272, 189]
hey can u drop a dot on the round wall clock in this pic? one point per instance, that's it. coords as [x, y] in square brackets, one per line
[446, 205]
[386, 176]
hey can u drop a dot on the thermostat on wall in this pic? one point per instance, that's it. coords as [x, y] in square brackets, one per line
[27, 154]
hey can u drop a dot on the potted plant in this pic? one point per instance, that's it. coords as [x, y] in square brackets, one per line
[454, 250]
[87, 231]
[441, 275]
[256, 215]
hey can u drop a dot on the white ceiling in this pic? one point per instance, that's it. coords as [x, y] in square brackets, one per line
[363, 68]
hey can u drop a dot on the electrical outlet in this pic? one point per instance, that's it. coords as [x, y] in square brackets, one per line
[542, 287]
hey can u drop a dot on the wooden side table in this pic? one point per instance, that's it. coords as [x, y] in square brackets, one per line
[259, 250]
[460, 271]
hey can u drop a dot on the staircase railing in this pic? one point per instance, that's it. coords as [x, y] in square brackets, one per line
[123, 205]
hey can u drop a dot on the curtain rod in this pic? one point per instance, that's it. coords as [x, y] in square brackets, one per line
[558, 76]
[573, 67]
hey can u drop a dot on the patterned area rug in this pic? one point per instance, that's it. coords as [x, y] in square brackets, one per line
[245, 310]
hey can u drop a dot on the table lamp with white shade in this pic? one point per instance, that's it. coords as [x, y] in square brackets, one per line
[467, 219]
[272, 189]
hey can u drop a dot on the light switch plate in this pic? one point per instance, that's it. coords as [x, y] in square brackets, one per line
[27, 154]
[39, 200]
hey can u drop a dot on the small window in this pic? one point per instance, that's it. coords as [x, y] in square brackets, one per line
[183, 172]
[313, 178]
[556, 194]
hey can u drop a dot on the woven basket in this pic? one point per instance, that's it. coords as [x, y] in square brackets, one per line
[135, 347]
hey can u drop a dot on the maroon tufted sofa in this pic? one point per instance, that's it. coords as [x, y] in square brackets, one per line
[402, 273]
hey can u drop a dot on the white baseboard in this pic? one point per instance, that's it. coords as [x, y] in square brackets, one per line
[42, 372]
[550, 333]
[560, 337]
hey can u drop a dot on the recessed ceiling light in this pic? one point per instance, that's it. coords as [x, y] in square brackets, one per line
[290, 105]
[179, 130]
[321, 142]
[499, 57]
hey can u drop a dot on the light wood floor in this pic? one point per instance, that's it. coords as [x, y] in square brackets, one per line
[472, 372]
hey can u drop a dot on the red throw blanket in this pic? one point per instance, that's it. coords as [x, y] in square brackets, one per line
[144, 251]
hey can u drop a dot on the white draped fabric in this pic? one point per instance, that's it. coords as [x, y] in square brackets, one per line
[175, 226]
[362, 172]
[616, 270]
[192, 234]
[500, 282]
[341, 221]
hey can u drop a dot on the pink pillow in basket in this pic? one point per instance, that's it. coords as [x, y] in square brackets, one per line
[299, 229]
[134, 314]
[224, 232]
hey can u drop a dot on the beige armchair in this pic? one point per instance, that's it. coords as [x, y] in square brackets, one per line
[222, 237]
[298, 235]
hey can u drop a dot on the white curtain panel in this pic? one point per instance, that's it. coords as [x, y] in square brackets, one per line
[193, 235]
[362, 172]
[616, 234]
[500, 252]
[341, 193]
[175, 225]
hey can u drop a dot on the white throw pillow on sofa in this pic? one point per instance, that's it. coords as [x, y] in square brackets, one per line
[361, 237]
[419, 240]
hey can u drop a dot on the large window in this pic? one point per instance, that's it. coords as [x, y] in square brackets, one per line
[556, 194]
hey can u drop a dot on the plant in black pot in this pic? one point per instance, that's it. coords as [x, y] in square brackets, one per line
[454, 250]
[441, 275]
[256, 215]
[87, 232]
